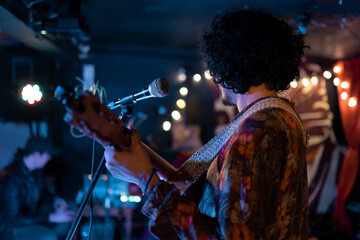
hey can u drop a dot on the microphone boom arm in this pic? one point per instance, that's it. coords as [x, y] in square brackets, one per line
[158, 88]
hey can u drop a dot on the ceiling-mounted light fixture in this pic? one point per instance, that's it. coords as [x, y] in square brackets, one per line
[302, 21]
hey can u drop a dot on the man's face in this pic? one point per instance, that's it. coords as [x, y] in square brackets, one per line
[227, 96]
[41, 159]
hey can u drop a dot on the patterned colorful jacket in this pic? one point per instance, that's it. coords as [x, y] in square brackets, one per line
[256, 188]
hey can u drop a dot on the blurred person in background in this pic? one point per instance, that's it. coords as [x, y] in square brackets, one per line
[27, 209]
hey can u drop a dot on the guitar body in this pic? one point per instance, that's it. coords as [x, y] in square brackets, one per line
[89, 115]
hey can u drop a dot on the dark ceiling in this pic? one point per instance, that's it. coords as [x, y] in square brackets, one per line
[178, 23]
[333, 25]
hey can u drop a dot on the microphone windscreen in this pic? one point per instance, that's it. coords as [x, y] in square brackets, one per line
[159, 87]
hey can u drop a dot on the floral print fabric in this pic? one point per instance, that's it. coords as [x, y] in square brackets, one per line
[256, 188]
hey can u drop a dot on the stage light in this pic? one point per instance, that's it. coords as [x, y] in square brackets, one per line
[314, 80]
[184, 91]
[336, 81]
[197, 77]
[176, 115]
[327, 74]
[123, 198]
[207, 75]
[181, 103]
[31, 93]
[344, 95]
[305, 82]
[352, 102]
[345, 84]
[302, 21]
[337, 69]
[166, 126]
[293, 84]
[137, 199]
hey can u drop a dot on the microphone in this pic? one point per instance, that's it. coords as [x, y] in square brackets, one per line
[158, 88]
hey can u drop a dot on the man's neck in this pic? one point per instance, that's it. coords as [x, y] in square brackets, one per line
[254, 93]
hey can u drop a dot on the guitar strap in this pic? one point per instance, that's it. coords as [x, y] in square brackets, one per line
[200, 161]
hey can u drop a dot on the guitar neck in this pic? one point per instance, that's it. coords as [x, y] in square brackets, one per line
[164, 168]
[166, 171]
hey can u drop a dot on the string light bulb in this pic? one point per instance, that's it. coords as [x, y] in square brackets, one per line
[352, 102]
[314, 80]
[345, 84]
[327, 74]
[305, 82]
[166, 126]
[344, 95]
[182, 77]
[337, 69]
[176, 115]
[181, 103]
[336, 81]
[207, 75]
[182, 74]
[183, 91]
[197, 77]
[293, 84]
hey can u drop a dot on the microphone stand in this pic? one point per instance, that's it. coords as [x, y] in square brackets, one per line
[126, 111]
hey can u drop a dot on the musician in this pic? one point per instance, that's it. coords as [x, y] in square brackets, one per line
[27, 209]
[256, 185]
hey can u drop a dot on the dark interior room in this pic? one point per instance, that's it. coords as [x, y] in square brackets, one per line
[72, 71]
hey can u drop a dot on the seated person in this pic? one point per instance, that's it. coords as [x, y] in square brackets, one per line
[25, 212]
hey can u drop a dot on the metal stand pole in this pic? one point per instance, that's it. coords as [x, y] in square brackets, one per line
[125, 115]
[83, 204]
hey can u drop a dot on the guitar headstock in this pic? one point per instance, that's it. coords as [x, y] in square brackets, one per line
[89, 115]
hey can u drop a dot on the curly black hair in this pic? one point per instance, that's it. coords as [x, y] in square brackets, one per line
[246, 48]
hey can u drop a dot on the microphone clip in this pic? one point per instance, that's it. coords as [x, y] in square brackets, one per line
[126, 112]
[120, 103]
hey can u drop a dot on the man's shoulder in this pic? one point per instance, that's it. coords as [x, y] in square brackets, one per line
[10, 173]
[266, 118]
[270, 123]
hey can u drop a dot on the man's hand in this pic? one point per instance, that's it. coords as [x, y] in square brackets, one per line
[61, 214]
[131, 163]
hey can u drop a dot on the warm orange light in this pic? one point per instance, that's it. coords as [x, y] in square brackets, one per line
[305, 82]
[314, 80]
[294, 84]
[344, 95]
[337, 69]
[345, 84]
[352, 102]
[327, 74]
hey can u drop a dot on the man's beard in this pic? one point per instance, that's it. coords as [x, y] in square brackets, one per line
[228, 102]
